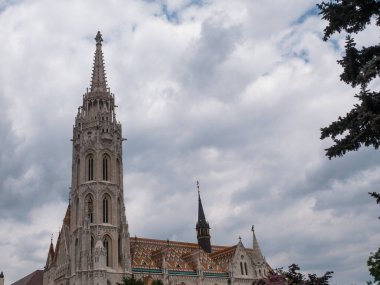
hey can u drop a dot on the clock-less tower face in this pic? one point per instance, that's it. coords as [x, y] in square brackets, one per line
[98, 212]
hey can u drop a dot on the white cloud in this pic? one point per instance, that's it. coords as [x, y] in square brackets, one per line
[233, 95]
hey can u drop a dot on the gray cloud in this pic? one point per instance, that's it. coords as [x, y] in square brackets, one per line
[232, 93]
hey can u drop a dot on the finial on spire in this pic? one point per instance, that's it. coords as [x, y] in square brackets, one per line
[51, 239]
[253, 228]
[98, 38]
[198, 186]
[239, 238]
[98, 80]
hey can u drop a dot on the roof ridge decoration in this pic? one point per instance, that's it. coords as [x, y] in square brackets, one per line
[98, 80]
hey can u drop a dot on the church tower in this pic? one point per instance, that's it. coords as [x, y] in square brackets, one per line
[99, 238]
[93, 246]
[202, 227]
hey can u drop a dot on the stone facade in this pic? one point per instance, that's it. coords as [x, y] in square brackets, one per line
[94, 246]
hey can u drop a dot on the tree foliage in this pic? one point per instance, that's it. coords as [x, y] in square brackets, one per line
[374, 266]
[294, 277]
[131, 281]
[361, 125]
[157, 282]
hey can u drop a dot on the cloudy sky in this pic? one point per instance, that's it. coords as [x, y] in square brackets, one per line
[230, 93]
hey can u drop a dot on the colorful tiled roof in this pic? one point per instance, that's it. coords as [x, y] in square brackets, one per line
[154, 254]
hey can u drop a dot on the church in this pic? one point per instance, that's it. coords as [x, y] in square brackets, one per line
[94, 245]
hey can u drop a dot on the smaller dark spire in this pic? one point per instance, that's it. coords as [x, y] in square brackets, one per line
[202, 227]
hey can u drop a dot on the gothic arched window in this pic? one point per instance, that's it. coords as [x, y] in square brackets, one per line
[245, 267]
[106, 167]
[241, 268]
[108, 248]
[106, 208]
[90, 167]
[89, 208]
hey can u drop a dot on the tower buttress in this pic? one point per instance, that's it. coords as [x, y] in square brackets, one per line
[202, 227]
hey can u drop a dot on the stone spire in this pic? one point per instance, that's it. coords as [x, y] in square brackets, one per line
[202, 227]
[50, 257]
[256, 248]
[98, 80]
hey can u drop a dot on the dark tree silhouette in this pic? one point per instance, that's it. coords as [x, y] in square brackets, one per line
[131, 281]
[374, 266]
[294, 277]
[360, 126]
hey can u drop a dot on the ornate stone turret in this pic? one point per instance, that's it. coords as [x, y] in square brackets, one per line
[202, 227]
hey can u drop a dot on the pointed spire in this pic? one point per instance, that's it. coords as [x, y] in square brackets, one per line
[50, 257]
[202, 227]
[255, 245]
[98, 81]
[201, 213]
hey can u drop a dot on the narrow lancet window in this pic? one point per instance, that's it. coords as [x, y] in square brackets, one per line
[106, 209]
[90, 209]
[90, 168]
[108, 247]
[106, 162]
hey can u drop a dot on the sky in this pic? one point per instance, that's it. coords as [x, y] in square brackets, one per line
[230, 93]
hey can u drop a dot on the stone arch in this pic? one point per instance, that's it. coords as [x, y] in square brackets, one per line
[89, 207]
[90, 166]
[106, 208]
[107, 244]
[106, 167]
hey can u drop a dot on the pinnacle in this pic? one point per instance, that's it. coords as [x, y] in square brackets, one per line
[98, 80]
